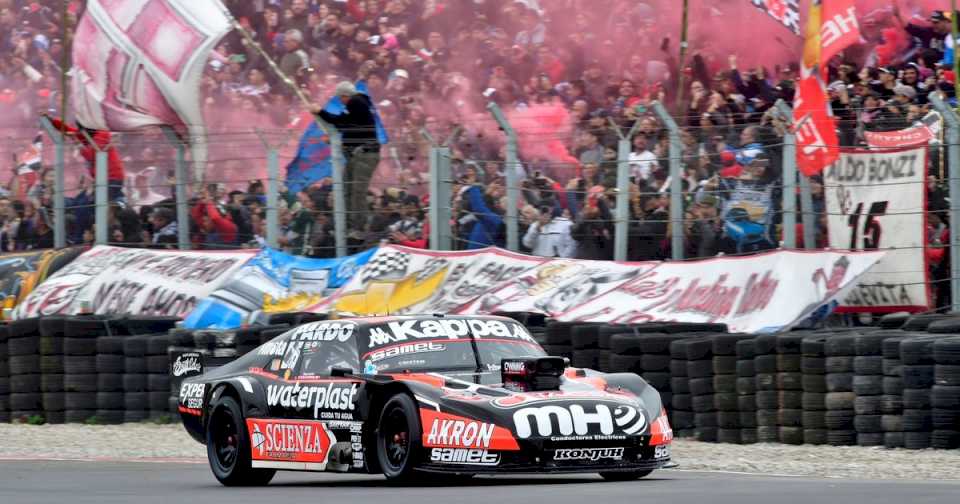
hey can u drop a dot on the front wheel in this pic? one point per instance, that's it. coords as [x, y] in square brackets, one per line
[228, 447]
[625, 475]
[398, 438]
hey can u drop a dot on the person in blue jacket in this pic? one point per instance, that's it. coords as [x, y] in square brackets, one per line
[480, 223]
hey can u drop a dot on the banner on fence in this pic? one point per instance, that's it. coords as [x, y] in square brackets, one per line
[273, 281]
[921, 133]
[119, 280]
[21, 273]
[877, 200]
[759, 293]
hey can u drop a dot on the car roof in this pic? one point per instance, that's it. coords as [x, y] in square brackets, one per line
[377, 320]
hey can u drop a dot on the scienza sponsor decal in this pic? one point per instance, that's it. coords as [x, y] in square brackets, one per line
[464, 456]
[405, 330]
[576, 419]
[289, 440]
[443, 430]
[332, 396]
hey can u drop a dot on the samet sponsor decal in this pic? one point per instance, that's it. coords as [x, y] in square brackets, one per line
[333, 396]
[399, 331]
[443, 430]
[464, 456]
[289, 440]
[577, 420]
[191, 395]
[324, 331]
[405, 349]
[591, 454]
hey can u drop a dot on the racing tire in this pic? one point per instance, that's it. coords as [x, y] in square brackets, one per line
[893, 440]
[625, 475]
[228, 447]
[746, 349]
[398, 438]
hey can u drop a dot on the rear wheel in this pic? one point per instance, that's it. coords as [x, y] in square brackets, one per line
[228, 447]
[625, 475]
[398, 438]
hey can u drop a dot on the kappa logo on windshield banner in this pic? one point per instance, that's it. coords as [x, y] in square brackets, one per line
[443, 430]
[576, 420]
[289, 440]
[400, 331]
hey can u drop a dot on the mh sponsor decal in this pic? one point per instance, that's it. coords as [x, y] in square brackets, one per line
[591, 454]
[334, 396]
[464, 456]
[575, 420]
[400, 331]
[289, 440]
[443, 430]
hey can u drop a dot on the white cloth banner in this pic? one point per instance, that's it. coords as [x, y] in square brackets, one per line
[877, 200]
[115, 280]
[759, 293]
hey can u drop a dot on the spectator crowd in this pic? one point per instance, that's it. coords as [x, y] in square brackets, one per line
[584, 69]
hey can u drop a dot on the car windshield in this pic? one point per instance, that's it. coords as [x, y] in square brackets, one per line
[392, 349]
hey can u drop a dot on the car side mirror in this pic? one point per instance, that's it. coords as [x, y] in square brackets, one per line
[340, 371]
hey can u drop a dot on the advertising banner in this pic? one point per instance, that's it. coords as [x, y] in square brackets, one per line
[921, 133]
[21, 272]
[877, 200]
[118, 280]
[273, 281]
[759, 293]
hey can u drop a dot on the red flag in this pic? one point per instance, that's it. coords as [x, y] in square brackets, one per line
[838, 27]
[817, 142]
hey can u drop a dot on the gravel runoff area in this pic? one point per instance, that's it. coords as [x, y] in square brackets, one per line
[170, 442]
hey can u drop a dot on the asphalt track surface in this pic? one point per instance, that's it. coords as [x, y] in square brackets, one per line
[141, 483]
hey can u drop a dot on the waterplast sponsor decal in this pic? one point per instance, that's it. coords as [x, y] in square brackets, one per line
[405, 349]
[443, 430]
[332, 396]
[575, 419]
[591, 454]
[405, 330]
[464, 456]
[289, 440]
[191, 395]
[187, 364]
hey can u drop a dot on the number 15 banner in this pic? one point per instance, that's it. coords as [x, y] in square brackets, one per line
[877, 200]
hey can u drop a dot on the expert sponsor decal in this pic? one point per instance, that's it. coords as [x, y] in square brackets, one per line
[591, 454]
[191, 395]
[576, 420]
[443, 430]
[337, 396]
[289, 440]
[405, 330]
[464, 456]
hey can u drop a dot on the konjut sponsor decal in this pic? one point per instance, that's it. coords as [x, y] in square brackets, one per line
[289, 440]
[444, 430]
[590, 454]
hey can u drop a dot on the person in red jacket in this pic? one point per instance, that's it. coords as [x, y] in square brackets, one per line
[103, 140]
[215, 228]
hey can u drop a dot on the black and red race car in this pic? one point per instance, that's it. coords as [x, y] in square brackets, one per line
[404, 396]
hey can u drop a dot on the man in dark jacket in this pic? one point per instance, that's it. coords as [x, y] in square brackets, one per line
[361, 149]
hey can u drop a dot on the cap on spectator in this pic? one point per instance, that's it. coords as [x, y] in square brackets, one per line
[837, 85]
[345, 88]
[938, 15]
[399, 73]
[906, 91]
[912, 65]
[885, 70]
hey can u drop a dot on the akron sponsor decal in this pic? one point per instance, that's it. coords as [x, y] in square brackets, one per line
[591, 454]
[464, 456]
[191, 395]
[289, 440]
[550, 421]
[405, 330]
[334, 396]
[443, 430]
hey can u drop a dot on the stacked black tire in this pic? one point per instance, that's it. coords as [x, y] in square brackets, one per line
[700, 376]
[52, 360]
[765, 380]
[891, 402]
[158, 375]
[916, 356]
[868, 387]
[746, 390]
[558, 340]
[4, 375]
[23, 347]
[840, 350]
[790, 388]
[111, 364]
[725, 391]
[585, 340]
[681, 415]
[136, 400]
[945, 395]
[80, 366]
[813, 366]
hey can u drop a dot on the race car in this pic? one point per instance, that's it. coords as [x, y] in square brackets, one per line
[411, 396]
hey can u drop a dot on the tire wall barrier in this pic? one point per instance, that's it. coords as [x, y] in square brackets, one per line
[897, 385]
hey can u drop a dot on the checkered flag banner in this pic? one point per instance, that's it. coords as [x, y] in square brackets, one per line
[786, 12]
[389, 263]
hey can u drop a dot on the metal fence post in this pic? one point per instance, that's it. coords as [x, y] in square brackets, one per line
[808, 215]
[59, 200]
[101, 201]
[621, 233]
[181, 181]
[676, 182]
[789, 177]
[339, 201]
[953, 160]
[440, 196]
[273, 190]
[513, 177]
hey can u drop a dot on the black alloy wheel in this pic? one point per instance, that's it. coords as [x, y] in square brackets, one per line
[398, 438]
[228, 447]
